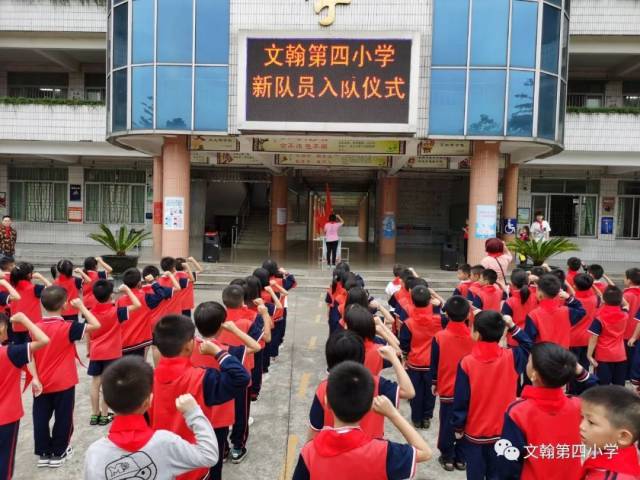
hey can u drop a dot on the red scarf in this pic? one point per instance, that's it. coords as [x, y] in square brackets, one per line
[130, 432]
[548, 399]
[169, 369]
[486, 352]
[549, 305]
[495, 255]
[459, 329]
[332, 442]
[584, 293]
[624, 460]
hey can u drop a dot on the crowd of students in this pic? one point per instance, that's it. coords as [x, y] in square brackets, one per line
[182, 417]
[509, 362]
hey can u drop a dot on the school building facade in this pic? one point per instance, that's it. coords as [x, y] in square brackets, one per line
[185, 116]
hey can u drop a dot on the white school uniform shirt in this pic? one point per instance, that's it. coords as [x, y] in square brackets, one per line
[538, 231]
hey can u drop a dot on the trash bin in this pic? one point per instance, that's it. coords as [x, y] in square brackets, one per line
[448, 257]
[211, 247]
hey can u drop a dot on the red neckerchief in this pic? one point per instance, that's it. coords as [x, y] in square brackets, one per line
[549, 305]
[130, 432]
[397, 281]
[486, 352]
[584, 293]
[7, 231]
[332, 442]
[548, 399]
[169, 369]
[495, 255]
[488, 288]
[624, 460]
[459, 329]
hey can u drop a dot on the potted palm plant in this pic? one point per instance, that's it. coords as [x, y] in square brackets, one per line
[120, 242]
[539, 251]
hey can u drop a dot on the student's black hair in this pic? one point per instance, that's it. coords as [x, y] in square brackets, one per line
[126, 384]
[350, 390]
[490, 276]
[167, 264]
[333, 217]
[465, 268]
[555, 365]
[337, 278]
[633, 275]
[406, 275]
[420, 296]
[549, 285]
[583, 282]
[5, 263]
[477, 270]
[490, 325]
[180, 261]
[398, 268]
[22, 271]
[612, 296]
[559, 274]
[457, 308]
[357, 296]
[131, 277]
[574, 264]
[262, 275]
[520, 280]
[150, 270]
[538, 271]
[102, 290]
[241, 282]
[63, 267]
[342, 265]
[621, 406]
[90, 263]
[233, 296]
[172, 333]
[53, 298]
[272, 267]
[350, 280]
[360, 320]
[6, 216]
[252, 289]
[343, 345]
[418, 282]
[209, 317]
[596, 271]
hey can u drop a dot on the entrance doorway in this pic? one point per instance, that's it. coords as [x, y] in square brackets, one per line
[569, 215]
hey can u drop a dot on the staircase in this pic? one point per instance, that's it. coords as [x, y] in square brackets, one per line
[255, 234]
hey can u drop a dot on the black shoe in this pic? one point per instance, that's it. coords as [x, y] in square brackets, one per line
[237, 456]
[58, 461]
[446, 464]
[417, 425]
[426, 423]
[460, 465]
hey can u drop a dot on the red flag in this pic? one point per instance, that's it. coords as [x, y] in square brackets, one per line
[322, 215]
[328, 208]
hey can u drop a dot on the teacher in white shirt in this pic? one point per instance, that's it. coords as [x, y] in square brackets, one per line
[540, 228]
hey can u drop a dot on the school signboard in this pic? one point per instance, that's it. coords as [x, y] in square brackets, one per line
[353, 83]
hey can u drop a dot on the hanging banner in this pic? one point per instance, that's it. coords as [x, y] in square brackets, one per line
[418, 163]
[214, 144]
[328, 145]
[319, 160]
[444, 148]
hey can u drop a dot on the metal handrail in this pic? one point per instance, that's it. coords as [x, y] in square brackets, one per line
[240, 221]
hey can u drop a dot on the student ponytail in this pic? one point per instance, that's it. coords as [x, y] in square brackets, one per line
[520, 280]
[22, 271]
[64, 267]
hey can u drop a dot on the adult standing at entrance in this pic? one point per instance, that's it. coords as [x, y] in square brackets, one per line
[540, 228]
[8, 238]
[332, 237]
[498, 259]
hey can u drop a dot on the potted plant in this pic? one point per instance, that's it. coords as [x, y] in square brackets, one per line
[120, 242]
[540, 251]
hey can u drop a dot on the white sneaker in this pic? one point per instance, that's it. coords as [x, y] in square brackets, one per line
[250, 422]
[43, 461]
[57, 462]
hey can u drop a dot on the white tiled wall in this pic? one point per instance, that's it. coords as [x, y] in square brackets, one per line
[605, 17]
[47, 16]
[602, 132]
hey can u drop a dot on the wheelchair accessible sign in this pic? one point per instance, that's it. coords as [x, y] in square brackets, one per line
[509, 226]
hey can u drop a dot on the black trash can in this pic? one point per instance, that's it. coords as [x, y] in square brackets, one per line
[448, 257]
[211, 247]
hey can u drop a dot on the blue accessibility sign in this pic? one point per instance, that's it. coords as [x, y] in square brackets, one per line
[509, 226]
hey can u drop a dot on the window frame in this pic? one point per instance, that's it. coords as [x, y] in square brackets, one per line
[635, 216]
[129, 186]
[51, 199]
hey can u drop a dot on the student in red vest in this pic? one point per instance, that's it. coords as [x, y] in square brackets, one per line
[168, 265]
[401, 300]
[464, 276]
[486, 384]
[520, 302]
[282, 283]
[360, 320]
[13, 357]
[345, 345]
[188, 268]
[62, 273]
[474, 284]
[105, 344]
[91, 265]
[335, 295]
[610, 426]
[416, 336]
[632, 296]
[58, 373]
[544, 416]
[449, 346]
[574, 264]
[556, 313]
[272, 301]
[489, 295]
[345, 451]
[210, 319]
[132, 446]
[21, 279]
[396, 284]
[136, 331]
[175, 376]
[590, 300]
[606, 350]
[600, 279]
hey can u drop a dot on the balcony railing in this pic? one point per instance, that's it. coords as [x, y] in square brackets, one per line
[599, 100]
[92, 94]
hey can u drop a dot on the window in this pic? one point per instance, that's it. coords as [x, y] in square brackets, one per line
[450, 25]
[38, 84]
[547, 107]
[550, 38]
[212, 31]
[175, 36]
[94, 87]
[629, 188]
[38, 194]
[174, 111]
[524, 26]
[142, 31]
[486, 102]
[142, 98]
[586, 93]
[114, 196]
[212, 88]
[520, 114]
[631, 93]
[446, 113]
[628, 221]
[120, 35]
[119, 114]
[489, 32]
[546, 185]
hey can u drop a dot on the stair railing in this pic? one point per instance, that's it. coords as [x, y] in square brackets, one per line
[240, 221]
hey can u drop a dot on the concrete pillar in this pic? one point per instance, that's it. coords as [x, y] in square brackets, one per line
[363, 214]
[157, 207]
[388, 202]
[510, 195]
[279, 213]
[483, 190]
[176, 193]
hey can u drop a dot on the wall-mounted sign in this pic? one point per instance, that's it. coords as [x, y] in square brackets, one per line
[328, 145]
[157, 213]
[606, 225]
[320, 160]
[608, 204]
[418, 163]
[523, 216]
[75, 193]
[485, 221]
[173, 212]
[360, 83]
[74, 214]
[236, 159]
[444, 148]
[214, 144]
[281, 216]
